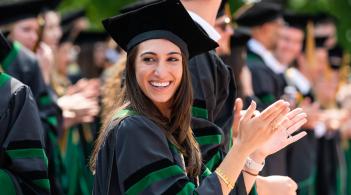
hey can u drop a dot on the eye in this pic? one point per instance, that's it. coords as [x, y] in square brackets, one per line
[172, 59]
[148, 59]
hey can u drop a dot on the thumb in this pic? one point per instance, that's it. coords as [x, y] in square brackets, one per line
[237, 109]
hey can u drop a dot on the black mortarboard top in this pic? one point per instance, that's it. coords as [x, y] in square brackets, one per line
[255, 14]
[87, 37]
[136, 5]
[323, 17]
[5, 47]
[166, 19]
[335, 57]
[70, 17]
[297, 20]
[19, 10]
[240, 37]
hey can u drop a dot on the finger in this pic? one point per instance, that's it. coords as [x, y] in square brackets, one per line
[249, 111]
[281, 117]
[237, 109]
[294, 112]
[289, 122]
[270, 109]
[294, 185]
[277, 114]
[295, 125]
[297, 137]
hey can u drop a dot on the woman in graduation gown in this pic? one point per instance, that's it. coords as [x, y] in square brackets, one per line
[148, 146]
[23, 162]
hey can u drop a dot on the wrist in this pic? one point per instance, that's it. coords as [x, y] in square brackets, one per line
[258, 156]
[242, 148]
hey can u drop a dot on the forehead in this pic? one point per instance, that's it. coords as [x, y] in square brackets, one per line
[292, 32]
[158, 46]
[27, 22]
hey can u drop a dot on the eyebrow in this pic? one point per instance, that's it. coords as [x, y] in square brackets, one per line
[153, 53]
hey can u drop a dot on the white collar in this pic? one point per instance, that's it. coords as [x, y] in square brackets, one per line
[267, 56]
[296, 78]
[208, 28]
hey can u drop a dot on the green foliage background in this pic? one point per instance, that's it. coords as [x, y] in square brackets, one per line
[97, 10]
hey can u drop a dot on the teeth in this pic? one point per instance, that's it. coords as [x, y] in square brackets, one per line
[157, 84]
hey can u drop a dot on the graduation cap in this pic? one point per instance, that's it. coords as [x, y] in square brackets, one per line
[323, 17]
[136, 5]
[19, 10]
[70, 17]
[86, 37]
[255, 14]
[67, 22]
[5, 47]
[296, 20]
[166, 19]
[335, 57]
[240, 37]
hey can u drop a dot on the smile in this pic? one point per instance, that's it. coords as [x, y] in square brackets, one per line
[160, 84]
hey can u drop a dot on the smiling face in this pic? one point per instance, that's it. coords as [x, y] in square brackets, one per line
[158, 70]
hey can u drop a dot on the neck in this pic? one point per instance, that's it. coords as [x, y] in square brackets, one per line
[164, 109]
[206, 9]
[260, 37]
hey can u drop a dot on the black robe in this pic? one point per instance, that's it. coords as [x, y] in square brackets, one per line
[23, 65]
[137, 158]
[23, 162]
[214, 93]
[268, 88]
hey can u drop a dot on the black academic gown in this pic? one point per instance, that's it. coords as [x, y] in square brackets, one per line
[23, 162]
[268, 88]
[212, 110]
[137, 158]
[23, 65]
[214, 93]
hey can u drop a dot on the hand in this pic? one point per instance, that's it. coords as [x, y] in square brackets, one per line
[275, 185]
[282, 138]
[254, 130]
[313, 113]
[45, 58]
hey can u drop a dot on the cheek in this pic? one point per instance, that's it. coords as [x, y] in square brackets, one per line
[141, 74]
[178, 73]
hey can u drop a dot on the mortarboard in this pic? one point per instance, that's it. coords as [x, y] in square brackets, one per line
[166, 19]
[70, 17]
[19, 10]
[90, 37]
[240, 37]
[255, 14]
[136, 5]
[296, 20]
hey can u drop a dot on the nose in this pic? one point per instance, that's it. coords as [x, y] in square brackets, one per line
[160, 69]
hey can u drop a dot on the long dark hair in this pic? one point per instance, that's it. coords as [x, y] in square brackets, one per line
[177, 127]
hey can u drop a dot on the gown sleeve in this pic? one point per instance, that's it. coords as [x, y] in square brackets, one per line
[23, 162]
